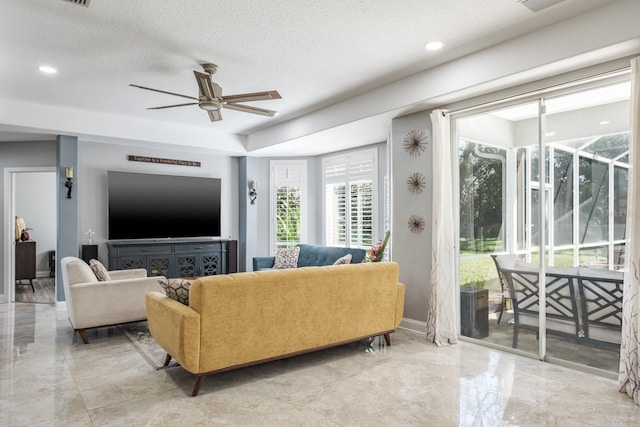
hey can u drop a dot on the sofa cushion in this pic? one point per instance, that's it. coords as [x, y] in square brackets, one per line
[344, 260]
[78, 271]
[99, 270]
[263, 263]
[287, 257]
[178, 289]
[314, 255]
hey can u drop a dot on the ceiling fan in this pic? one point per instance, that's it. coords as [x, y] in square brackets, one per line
[211, 99]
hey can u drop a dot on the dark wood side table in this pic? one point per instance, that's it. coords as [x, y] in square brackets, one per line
[89, 252]
[52, 263]
[26, 262]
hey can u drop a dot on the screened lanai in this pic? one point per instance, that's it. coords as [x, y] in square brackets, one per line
[580, 191]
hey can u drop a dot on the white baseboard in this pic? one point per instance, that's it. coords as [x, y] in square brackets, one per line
[413, 325]
[61, 306]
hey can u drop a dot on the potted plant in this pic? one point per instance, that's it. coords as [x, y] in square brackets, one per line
[376, 252]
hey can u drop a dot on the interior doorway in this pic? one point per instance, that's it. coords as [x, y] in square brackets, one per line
[31, 194]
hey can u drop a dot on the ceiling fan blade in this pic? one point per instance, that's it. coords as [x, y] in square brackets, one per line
[250, 109]
[215, 115]
[164, 91]
[172, 106]
[257, 96]
[206, 86]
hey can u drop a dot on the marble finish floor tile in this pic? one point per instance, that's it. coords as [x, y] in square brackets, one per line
[48, 377]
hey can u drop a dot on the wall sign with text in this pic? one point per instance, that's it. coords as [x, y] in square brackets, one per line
[176, 162]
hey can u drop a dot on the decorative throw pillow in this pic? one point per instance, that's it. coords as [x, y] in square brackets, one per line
[178, 289]
[287, 257]
[99, 270]
[343, 260]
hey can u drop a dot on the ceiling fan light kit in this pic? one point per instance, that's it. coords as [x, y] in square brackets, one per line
[211, 100]
[209, 104]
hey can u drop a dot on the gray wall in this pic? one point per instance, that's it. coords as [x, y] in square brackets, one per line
[96, 159]
[248, 213]
[68, 207]
[412, 250]
[88, 206]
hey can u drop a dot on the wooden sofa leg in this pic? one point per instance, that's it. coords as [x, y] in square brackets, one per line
[83, 335]
[198, 384]
[387, 339]
[167, 360]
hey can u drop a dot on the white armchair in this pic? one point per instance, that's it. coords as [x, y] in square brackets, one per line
[95, 304]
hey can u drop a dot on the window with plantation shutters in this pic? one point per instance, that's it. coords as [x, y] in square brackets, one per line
[288, 188]
[350, 199]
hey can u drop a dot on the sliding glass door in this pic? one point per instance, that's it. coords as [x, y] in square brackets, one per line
[568, 205]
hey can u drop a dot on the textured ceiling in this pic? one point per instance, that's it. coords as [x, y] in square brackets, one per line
[315, 53]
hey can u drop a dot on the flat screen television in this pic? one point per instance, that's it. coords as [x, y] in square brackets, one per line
[148, 206]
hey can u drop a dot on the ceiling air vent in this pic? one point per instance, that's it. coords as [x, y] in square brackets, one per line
[538, 5]
[84, 3]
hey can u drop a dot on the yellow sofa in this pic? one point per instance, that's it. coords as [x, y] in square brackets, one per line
[241, 319]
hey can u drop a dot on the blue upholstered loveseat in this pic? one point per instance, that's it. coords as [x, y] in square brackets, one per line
[313, 255]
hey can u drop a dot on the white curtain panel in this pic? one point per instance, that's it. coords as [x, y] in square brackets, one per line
[441, 316]
[629, 378]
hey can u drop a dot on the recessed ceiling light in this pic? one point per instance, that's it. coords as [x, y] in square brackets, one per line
[434, 46]
[47, 70]
[605, 122]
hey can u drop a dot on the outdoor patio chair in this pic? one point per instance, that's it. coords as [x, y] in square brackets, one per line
[561, 306]
[501, 262]
[601, 304]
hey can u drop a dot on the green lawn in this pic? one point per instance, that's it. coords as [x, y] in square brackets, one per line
[479, 272]
[480, 246]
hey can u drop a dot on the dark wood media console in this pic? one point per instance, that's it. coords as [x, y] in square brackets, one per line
[175, 257]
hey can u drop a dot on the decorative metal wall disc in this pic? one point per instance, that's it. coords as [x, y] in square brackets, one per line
[416, 182]
[415, 142]
[416, 224]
